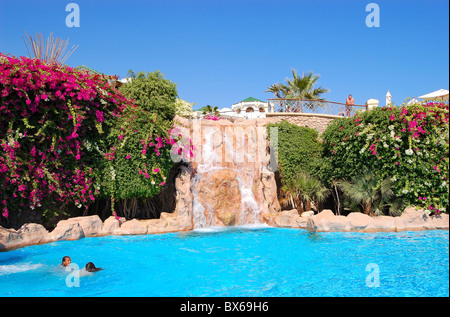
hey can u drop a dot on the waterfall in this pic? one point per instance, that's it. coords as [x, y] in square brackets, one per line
[222, 188]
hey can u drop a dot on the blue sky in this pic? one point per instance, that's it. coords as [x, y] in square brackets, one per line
[219, 52]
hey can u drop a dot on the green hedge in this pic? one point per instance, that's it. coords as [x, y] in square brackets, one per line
[298, 149]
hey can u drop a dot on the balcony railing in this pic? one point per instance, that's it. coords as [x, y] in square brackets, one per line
[312, 106]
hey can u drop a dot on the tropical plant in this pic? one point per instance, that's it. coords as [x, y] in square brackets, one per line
[303, 87]
[309, 189]
[209, 110]
[280, 90]
[299, 87]
[288, 196]
[367, 191]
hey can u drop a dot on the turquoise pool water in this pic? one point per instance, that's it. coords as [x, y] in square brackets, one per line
[262, 261]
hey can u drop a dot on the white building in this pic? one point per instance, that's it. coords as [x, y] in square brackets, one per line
[250, 108]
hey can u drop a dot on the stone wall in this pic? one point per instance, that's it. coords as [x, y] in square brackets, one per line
[318, 122]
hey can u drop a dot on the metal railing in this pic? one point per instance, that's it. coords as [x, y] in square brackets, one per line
[292, 105]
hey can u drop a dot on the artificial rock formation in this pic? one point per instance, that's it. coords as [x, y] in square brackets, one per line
[230, 182]
[325, 221]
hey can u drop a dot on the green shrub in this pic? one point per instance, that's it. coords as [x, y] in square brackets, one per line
[298, 149]
[152, 92]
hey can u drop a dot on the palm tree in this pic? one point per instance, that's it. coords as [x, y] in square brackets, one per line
[367, 191]
[208, 110]
[280, 90]
[289, 196]
[310, 189]
[299, 88]
[303, 87]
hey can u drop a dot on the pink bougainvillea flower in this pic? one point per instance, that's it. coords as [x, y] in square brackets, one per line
[99, 115]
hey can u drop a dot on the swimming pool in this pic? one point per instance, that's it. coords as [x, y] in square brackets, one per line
[245, 261]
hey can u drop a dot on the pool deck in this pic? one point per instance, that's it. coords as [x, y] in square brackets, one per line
[91, 226]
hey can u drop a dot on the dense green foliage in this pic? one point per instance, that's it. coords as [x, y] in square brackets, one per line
[407, 145]
[298, 149]
[152, 92]
[139, 159]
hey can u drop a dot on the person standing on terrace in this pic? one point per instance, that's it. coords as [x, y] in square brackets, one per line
[348, 104]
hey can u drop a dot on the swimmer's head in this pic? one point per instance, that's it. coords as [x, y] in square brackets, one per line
[66, 261]
[90, 267]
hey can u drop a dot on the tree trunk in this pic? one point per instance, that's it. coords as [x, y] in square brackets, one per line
[133, 207]
[307, 205]
[299, 204]
[367, 208]
[336, 200]
[292, 201]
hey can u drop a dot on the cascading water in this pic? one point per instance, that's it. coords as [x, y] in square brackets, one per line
[222, 191]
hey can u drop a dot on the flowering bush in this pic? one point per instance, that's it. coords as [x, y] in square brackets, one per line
[183, 108]
[49, 116]
[139, 156]
[407, 144]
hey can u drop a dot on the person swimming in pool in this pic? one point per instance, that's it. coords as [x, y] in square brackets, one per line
[66, 261]
[90, 267]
